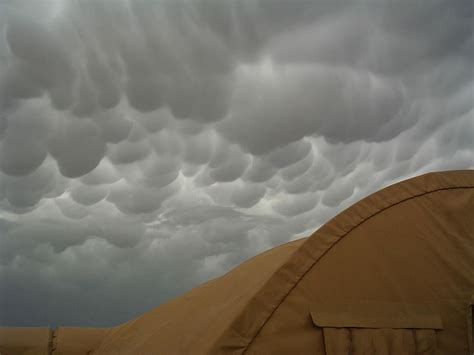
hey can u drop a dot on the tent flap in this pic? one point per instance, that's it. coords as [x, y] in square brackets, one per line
[374, 315]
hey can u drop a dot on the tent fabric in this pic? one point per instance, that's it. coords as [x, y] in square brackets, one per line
[190, 323]
[49, 341]
[409, 245]
[24, 340]
[78, 340]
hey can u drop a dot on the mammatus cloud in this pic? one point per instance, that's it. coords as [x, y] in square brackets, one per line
[146, 147]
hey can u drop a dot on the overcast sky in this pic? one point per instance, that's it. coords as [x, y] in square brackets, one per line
[148, 146]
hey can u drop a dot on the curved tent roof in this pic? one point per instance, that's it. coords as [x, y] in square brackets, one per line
[394, 273]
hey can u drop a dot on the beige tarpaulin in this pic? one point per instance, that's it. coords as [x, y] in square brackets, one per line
[25, 341]
[393, 274]
[48, 341]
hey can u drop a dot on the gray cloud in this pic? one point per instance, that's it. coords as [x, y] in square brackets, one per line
[338, 103]
[24, 143]
[86, 194]
[85, 147]
[147, 147]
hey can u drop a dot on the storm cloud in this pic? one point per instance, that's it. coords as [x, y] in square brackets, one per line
[146, 147]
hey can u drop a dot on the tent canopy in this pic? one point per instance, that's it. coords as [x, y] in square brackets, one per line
[394, 273]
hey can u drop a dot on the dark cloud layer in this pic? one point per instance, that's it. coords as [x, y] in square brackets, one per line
[146, 147]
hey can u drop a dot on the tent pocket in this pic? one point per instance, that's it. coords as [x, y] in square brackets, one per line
[376, 328]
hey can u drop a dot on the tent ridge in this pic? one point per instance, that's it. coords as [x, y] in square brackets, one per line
[260, 309]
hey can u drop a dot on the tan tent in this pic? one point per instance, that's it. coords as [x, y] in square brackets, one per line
[25, 341]
[46, 341]
[393, 274]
